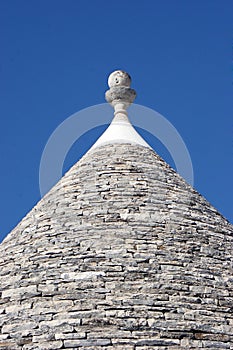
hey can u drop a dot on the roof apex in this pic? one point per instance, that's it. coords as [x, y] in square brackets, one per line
[120, 96]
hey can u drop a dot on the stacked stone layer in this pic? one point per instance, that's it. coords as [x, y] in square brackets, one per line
[120, 254]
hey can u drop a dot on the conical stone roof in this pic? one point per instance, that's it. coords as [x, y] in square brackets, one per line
[121, 254]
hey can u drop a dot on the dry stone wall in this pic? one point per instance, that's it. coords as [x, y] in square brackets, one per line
[120, 254]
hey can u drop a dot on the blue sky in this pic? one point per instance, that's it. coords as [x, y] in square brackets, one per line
[55, 59]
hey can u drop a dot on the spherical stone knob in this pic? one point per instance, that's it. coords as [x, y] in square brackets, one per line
[119, 78]
[120, 91]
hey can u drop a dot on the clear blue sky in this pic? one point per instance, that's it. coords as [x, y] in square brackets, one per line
[55, 59]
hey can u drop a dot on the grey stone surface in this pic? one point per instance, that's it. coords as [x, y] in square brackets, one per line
[120, 254]
[120, 93]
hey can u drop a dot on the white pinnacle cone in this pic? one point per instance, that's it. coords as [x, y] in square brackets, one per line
[120, 96]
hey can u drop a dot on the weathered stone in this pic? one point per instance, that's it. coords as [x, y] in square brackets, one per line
[9, 345]
[52, 345]
[215, 345]
[21, 293]
[87, 342]
[62, 323]
[70, 336]
[81, 276]
[121, 254]
[47, 289]
[18, 327]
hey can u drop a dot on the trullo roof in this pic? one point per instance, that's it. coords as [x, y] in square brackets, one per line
[120, 254]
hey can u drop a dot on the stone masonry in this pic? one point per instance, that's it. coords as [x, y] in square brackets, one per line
[121, 254]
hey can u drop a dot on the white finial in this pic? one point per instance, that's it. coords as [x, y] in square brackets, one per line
[120, 91]
[119, 78]
[120, 96]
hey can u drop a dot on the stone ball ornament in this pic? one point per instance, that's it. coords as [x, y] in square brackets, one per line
[120, 91]
[119, 78]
